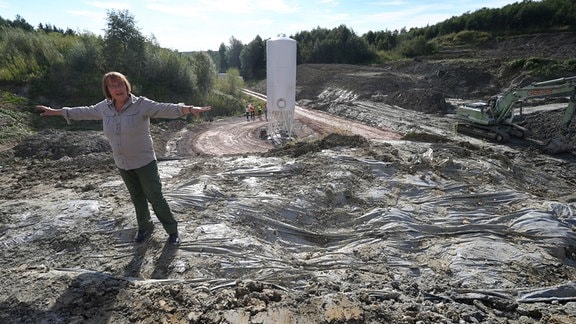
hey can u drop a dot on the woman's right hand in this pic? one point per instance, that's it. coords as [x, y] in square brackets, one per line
[47, 111]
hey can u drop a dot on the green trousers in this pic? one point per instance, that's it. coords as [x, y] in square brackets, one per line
[144, 186]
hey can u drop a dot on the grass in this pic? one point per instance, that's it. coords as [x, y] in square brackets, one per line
[14, 117]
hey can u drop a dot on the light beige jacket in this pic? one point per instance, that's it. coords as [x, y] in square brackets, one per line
[128, 131]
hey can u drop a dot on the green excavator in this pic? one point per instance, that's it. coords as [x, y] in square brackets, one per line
[501, 117]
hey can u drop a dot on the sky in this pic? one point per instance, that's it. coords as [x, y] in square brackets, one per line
[199, 25]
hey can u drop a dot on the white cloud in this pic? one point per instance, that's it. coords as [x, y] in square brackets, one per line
[178, 11]
[109, 5]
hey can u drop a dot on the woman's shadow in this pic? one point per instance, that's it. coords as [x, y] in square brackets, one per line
[92, 296]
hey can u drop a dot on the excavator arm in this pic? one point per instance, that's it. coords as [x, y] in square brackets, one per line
[569, 113]
[561, 143]
[552, 88]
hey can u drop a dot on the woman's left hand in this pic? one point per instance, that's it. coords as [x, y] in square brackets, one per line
[197, 110]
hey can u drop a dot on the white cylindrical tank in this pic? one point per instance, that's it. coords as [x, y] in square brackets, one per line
[281, 74]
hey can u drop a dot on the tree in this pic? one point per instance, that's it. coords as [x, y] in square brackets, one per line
[232, 84]
[124, 45]
[205, 72]
[21, 23]
[253, 60]
[339, 45]
[233, 53]
[222, 58]
[225, 98]
[82, 66]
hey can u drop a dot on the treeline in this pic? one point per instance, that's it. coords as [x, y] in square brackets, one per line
[65, 68]
[343, 45]
[518, 18]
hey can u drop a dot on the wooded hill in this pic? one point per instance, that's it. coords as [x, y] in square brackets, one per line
[65, 67]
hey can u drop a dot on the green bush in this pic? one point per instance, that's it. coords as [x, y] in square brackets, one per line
[472, 37]
[543, 67]
[224, 104]
[418, 46]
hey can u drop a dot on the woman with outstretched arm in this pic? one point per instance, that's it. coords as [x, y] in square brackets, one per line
[126, 124]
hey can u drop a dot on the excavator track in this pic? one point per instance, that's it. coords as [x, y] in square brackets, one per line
[487, 132]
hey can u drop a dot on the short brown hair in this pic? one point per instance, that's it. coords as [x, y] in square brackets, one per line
[114, 76]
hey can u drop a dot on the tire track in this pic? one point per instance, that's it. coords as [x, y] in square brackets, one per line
[230, 136]
[236, 135]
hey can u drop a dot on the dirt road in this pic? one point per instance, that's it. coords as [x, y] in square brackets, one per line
[241, 135]
[228, 136]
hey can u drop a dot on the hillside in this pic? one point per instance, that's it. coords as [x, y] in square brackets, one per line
[470, 73]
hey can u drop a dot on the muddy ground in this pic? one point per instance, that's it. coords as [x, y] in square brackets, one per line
[407, 223]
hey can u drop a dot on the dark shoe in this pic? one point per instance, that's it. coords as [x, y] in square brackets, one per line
[143, 235]
[173, 239]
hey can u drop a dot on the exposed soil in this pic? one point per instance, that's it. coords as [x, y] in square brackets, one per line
[377, 212]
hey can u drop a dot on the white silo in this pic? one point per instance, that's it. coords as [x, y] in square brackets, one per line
[280, 85]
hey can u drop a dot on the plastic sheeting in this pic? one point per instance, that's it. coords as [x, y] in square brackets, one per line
[455, 225]
[286, 222]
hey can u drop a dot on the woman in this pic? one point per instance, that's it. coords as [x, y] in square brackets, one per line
[126, 124]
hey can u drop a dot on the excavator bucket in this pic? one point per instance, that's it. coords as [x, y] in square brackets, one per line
[557, 146]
